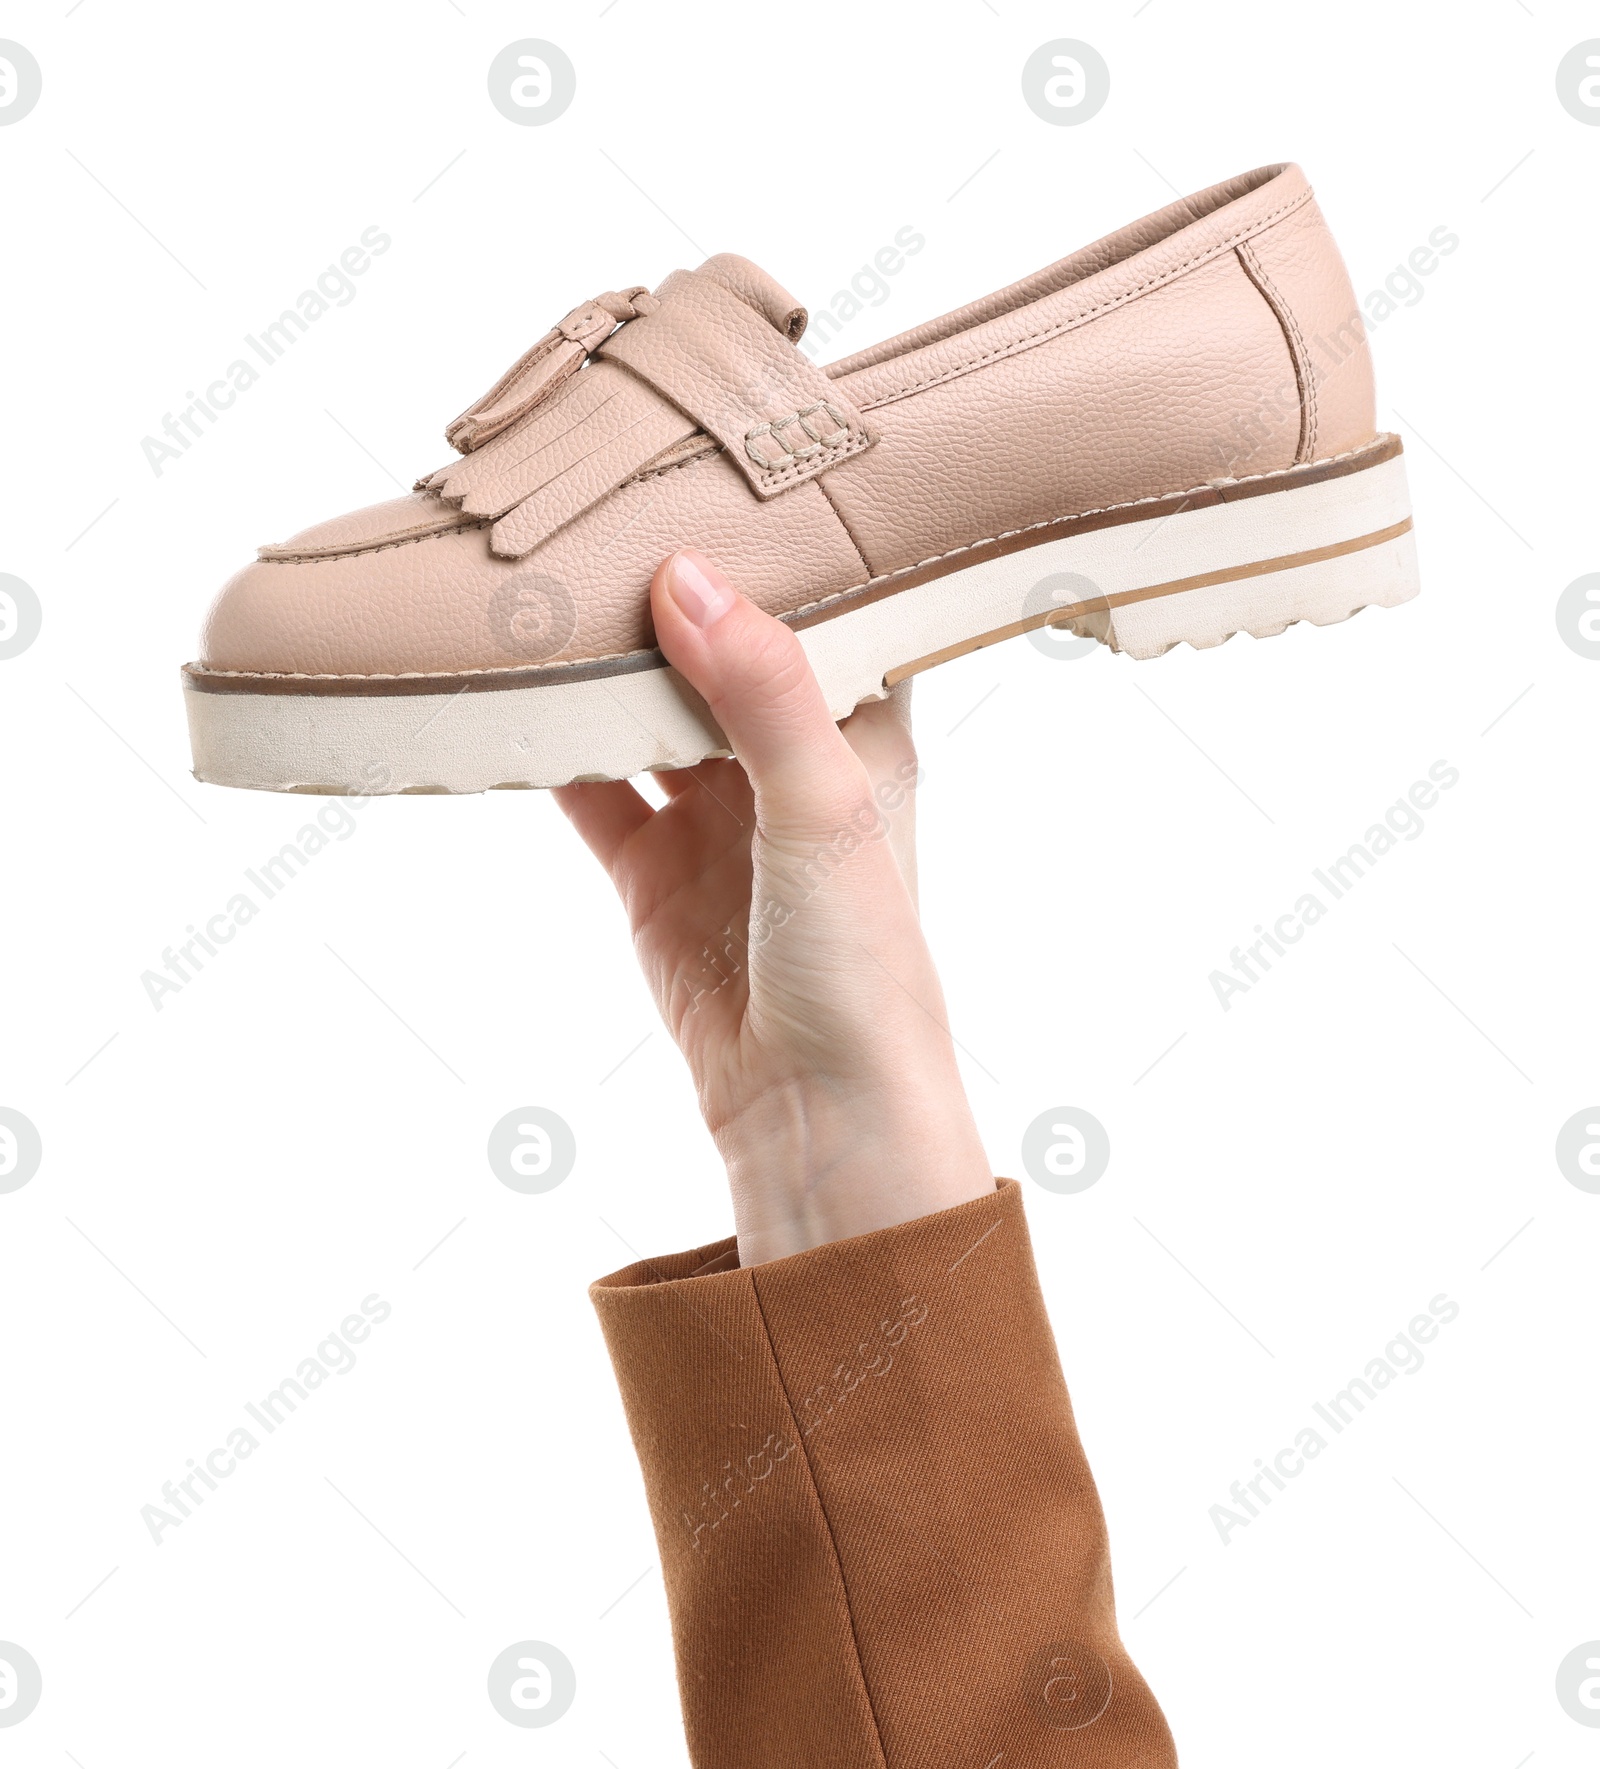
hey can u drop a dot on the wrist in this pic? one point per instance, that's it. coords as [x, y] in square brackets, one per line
[815, 1161]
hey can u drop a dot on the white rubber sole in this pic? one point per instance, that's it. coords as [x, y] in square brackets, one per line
[1256, 561]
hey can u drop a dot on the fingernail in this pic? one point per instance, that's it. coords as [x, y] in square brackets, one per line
[699, 589]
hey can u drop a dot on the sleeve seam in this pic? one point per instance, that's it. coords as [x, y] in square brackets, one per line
[827, 1522]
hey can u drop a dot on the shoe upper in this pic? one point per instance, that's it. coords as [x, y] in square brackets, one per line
[1216, 339]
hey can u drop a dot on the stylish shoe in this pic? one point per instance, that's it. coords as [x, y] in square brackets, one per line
[1179, 420]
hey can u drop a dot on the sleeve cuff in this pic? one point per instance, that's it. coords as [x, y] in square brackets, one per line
[880, 1539]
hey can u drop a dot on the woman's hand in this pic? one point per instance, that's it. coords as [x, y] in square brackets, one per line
[772, 901]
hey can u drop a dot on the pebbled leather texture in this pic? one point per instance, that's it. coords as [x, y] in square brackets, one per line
[1216, 338]
[1104, 420]
[448, 604]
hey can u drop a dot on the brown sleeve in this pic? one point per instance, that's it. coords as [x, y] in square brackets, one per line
[881, 1542]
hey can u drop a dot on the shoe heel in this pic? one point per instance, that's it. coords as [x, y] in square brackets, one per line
[1317, 553]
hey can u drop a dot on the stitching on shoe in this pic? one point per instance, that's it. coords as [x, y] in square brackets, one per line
[850, 533]
[815, 464]
[413, 675]
[717, 448]
[1304, 368]
[776, 426]
[1016, 345]
[1348, 454]
[675, 466]
[410, 540]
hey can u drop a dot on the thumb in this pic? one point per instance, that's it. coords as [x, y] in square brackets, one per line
[757, 680]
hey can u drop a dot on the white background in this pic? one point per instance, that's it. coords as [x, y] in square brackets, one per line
[303, 1124]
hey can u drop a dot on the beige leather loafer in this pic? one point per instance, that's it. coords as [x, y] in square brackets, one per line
[1178, 419]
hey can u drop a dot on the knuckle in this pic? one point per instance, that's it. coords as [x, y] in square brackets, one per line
[776, 665]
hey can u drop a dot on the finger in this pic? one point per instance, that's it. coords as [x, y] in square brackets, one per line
[880, 734]
[758, 683]
[675, 782]
[721, 783]
[605, 813]
[879, 731]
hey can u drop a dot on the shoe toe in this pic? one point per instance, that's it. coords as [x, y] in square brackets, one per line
[375, 592]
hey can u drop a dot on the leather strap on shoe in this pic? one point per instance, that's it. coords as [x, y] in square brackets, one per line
[695, 359]
[779, 417]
